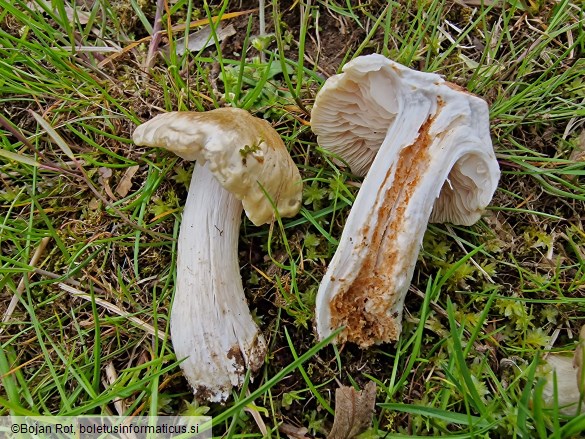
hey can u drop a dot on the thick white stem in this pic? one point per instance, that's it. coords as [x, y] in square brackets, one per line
[211, 325]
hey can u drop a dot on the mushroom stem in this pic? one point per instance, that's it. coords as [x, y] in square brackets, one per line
[211, 326]
[367, 280]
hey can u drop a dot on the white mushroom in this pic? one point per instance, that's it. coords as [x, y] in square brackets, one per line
[241, 162]
[565, 380]
[427, 146]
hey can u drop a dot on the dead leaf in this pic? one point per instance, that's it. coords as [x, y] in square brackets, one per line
[578, 154]
[94, 204]
[201, 39]
[293, 432]
[104, 180]
[105, 172]
[353, 411]
[126, 182]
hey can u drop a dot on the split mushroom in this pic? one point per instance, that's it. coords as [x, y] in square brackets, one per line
[427, 147]
[241, 163]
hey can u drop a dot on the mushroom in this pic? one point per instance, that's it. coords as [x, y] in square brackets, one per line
[241, 163]
[568, 372]
[425, 146]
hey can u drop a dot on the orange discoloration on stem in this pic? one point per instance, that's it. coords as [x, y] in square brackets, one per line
[364, 306]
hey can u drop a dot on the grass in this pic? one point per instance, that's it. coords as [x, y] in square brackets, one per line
[486, 301]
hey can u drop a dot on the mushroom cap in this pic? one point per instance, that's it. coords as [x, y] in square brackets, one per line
[244, 153]
[566, 393]
[357, 110]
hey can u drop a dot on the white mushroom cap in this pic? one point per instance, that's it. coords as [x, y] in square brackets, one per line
[244, 153]
[425, 146]
[561, 387]
[565, 380]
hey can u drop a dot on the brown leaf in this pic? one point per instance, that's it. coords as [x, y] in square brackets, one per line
[201, 39]
[126, 182]
[293, 432]
[94, 204]
[104, 180]
[353, 411]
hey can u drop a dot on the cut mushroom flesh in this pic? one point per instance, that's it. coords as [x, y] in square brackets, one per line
[435, 162]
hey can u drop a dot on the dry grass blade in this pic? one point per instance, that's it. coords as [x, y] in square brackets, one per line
[19, 290]
[110, 378]
[113, 308]
[26, 160]
[54, 135]
[257, 418]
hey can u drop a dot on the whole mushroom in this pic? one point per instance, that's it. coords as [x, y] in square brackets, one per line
[425, 146]
[242, 163]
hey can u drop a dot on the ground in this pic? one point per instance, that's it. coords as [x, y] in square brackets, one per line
[89, 220]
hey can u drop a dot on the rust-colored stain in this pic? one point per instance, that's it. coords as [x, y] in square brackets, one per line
[457, 87]
[256, 353]
[203, 393]
[364, 306]
[235, 354]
